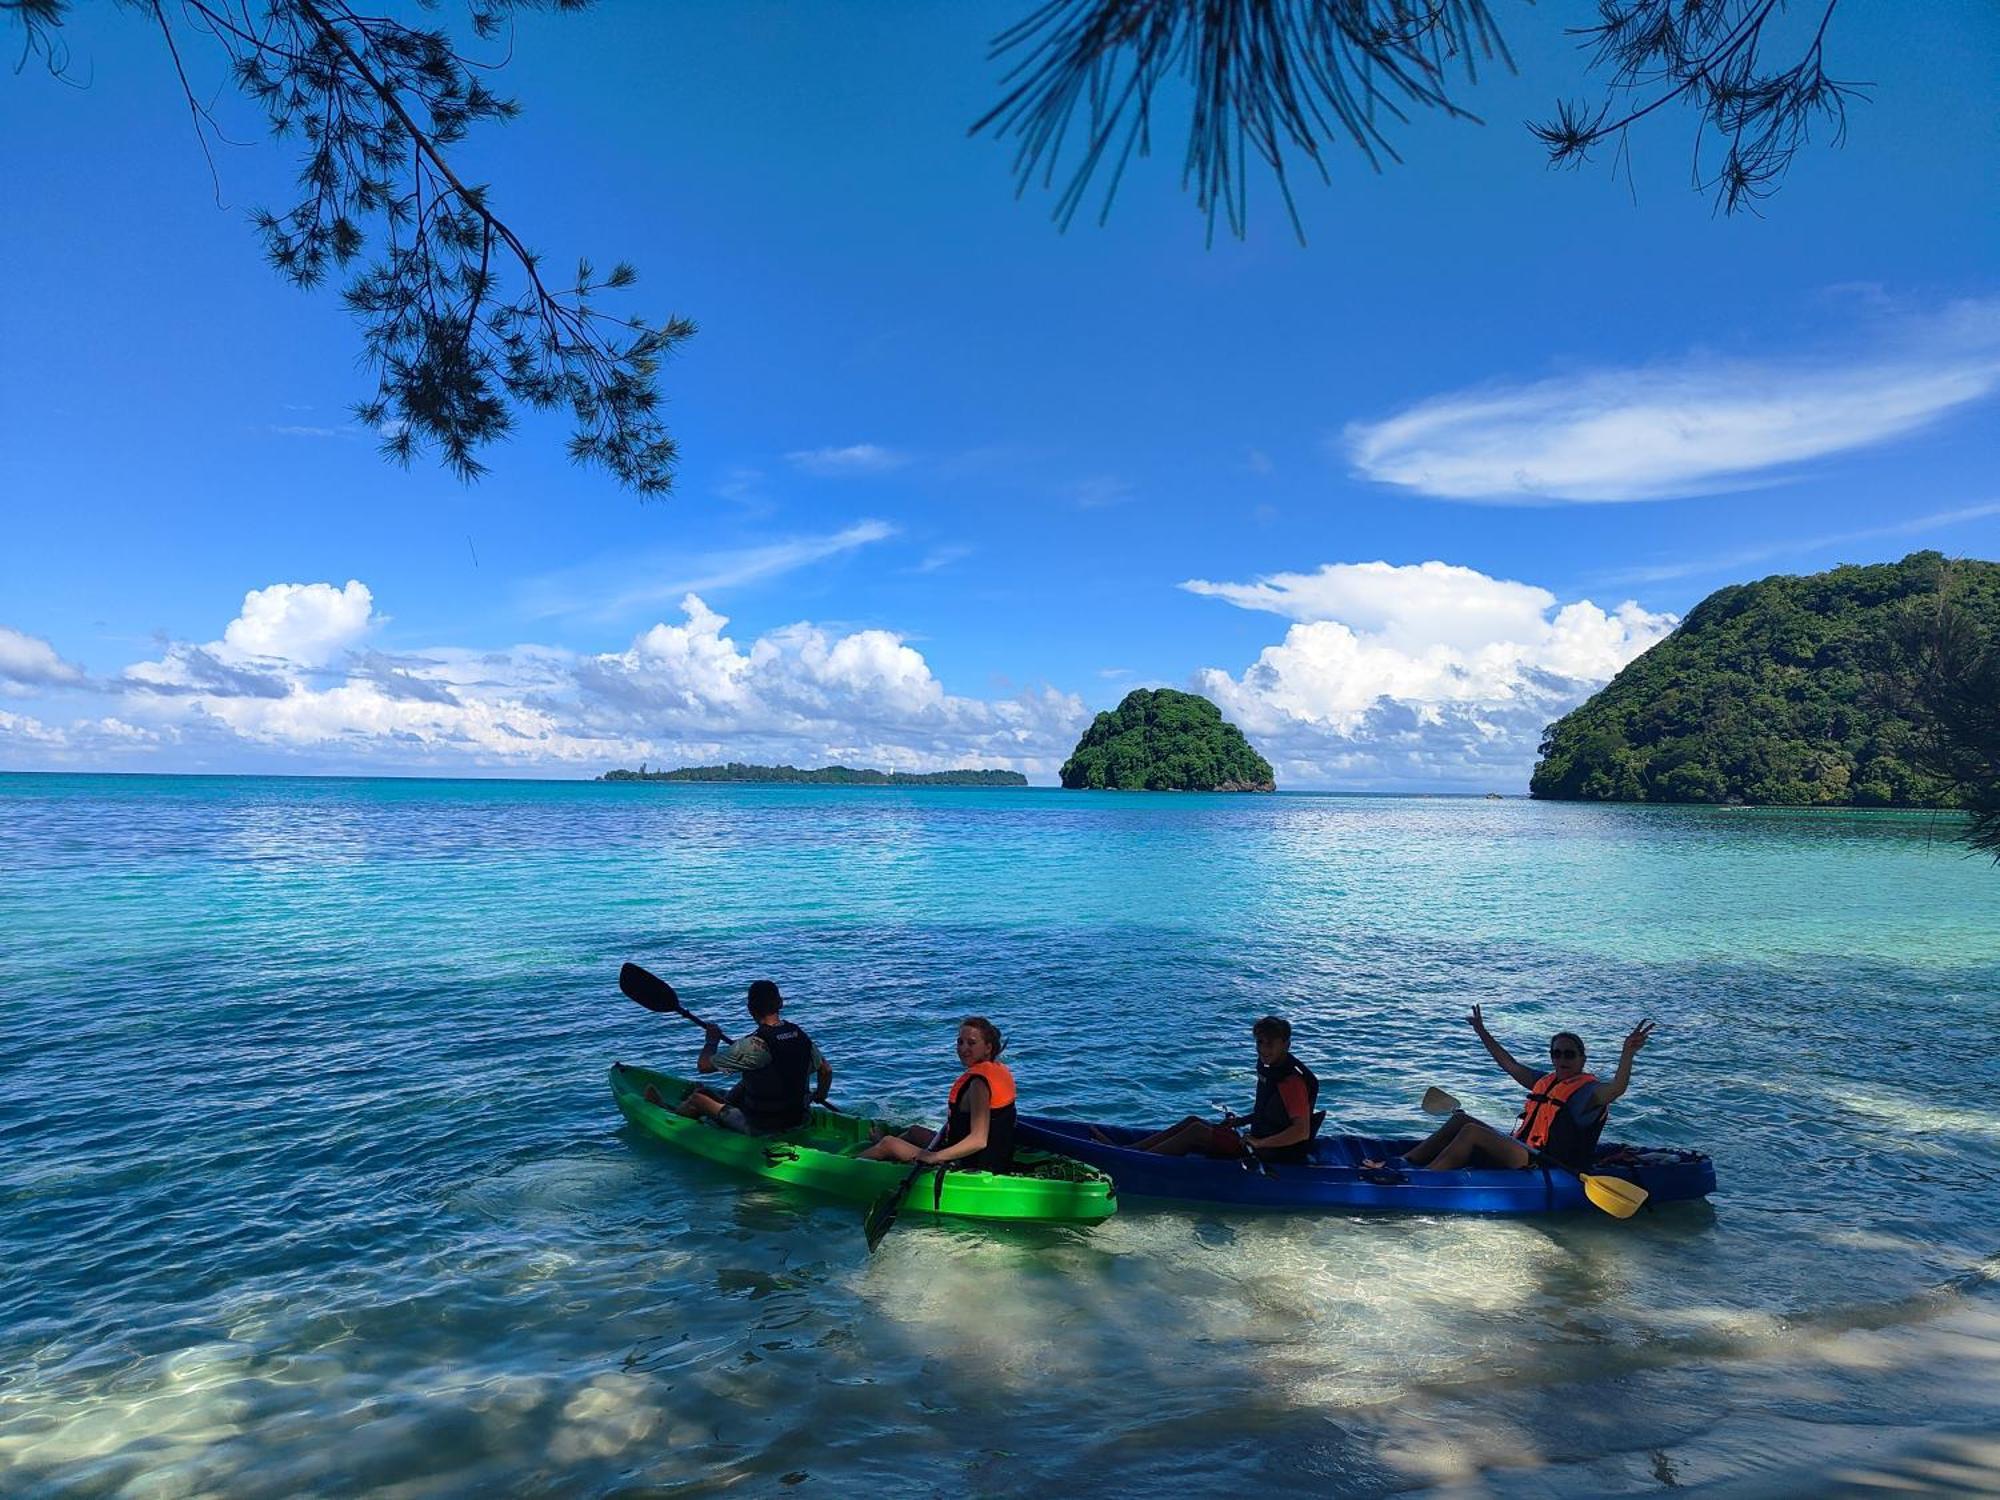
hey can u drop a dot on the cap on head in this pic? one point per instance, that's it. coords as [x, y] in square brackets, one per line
[764, 998]
[1276, 1028]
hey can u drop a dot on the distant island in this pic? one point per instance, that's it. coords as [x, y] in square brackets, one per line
[824, 776]
[1160, 740]
[1782, 692]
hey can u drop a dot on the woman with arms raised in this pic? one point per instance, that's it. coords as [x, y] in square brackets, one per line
[1560, 1122]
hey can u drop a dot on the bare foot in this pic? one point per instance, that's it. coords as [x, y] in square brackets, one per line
[653, 1096]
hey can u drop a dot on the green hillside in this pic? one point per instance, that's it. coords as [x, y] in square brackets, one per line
[1159, 740]
[1776, 692]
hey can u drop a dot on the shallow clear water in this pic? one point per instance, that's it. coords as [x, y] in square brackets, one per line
[310, 1180]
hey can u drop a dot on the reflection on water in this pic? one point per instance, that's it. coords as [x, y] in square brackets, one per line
[310, 1183]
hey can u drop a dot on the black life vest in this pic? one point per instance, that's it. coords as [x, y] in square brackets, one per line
[1547, 1125]
[1269, 1115]
[773, 1097]
[999, 1153]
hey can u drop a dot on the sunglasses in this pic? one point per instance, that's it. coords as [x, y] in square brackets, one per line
[1561, 1052]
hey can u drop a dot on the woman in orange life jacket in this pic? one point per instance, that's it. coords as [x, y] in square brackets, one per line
[979, 1121]
[1561, 1121]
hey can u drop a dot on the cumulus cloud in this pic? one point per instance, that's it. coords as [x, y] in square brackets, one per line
[32, 662]
[270, 692]
[866, 694]
[281, 631]
[858, 458]
[84, 743]
[305, 623]
[1417, 675]
[1694, 427]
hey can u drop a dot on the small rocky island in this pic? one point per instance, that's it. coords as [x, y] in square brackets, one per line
[1159, 740]
[824, 776]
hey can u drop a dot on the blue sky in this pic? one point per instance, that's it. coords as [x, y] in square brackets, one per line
[955, 480]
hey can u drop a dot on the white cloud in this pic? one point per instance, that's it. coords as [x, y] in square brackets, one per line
[1417, 675]
[32, 661]
[681, 691]
[818, 694]
[942, 557]
[1694, 427]
[304, 623]
[84, 743]
[605, 590]
[858, 458]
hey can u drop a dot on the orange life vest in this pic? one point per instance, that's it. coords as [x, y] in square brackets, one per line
[999, 1153]
[999, 1084]
[1545, 1102]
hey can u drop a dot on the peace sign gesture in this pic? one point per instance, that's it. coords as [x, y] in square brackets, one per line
[1638, 1037]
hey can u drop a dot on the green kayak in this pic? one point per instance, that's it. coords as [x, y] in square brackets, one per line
[1042, 1187]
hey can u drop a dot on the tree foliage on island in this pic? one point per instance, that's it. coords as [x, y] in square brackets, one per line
[1793, 691]
[1160, 740]
[1952, 693]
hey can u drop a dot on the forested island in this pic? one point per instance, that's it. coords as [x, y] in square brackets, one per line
[1160, 740]
[824, 776]
[1793, 691]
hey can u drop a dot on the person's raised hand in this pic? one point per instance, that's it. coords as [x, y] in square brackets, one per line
[1638, 1037]
[714, 1033]
[1476, 1021]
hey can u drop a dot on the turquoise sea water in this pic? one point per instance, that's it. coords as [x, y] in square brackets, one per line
[310, 1181]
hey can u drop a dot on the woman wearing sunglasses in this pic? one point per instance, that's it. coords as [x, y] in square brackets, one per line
[1562, 1119]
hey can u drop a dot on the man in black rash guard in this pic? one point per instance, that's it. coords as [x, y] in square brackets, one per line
[776, 1064]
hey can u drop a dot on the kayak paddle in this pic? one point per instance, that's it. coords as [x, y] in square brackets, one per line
[653, 992]
[1617, 1196]
[881, 1215]
[1250, 1157]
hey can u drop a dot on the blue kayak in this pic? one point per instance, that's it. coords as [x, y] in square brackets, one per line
[1334, 1181]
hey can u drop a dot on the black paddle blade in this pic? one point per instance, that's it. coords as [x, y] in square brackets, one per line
[648, 989]
[881, 1216]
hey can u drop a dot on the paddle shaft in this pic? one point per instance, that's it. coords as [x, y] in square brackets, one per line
[881, 1215]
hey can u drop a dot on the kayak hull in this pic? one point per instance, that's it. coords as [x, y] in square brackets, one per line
[1336, 1182]
[1044, 1188]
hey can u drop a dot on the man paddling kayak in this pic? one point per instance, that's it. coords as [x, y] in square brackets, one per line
[1282, 1122]
[775, 1065]
[1560, 1122]
[978, 1133]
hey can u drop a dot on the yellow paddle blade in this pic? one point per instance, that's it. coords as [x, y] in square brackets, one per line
[1616, 1196]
